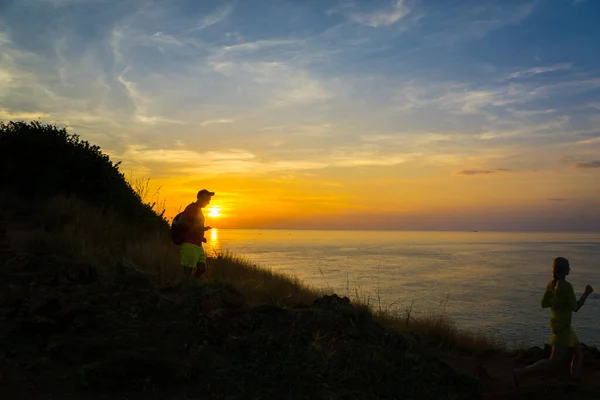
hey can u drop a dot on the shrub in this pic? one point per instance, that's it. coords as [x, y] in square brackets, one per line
[39, 161]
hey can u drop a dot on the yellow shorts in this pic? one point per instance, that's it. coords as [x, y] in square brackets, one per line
[192, 255]
[563, 337]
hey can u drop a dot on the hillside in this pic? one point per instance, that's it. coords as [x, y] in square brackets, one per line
[93, 304]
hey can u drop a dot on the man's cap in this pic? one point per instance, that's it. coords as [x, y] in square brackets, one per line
[205, 192]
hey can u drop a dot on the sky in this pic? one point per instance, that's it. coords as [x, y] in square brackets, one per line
[378, 114]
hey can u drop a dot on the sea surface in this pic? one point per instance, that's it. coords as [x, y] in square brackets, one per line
[488, 282]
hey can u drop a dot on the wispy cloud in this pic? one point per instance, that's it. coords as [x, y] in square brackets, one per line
[540, 70]
[276, 83]
[253, 47]
[557, 199]
[459, 98]
[244, 162]
[4, 39]
[589, 164]
[17, 115]
[477, 20]
[142, 153]
[67, 3]
[214, 18]
[216, 121]
[482, 171]
[381, 17]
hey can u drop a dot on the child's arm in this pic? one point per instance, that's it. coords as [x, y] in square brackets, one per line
[547, 299]
[566, 295]
[584, 296]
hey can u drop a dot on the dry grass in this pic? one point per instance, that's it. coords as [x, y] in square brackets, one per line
[106, 240]
[260, 285]
[441, 331]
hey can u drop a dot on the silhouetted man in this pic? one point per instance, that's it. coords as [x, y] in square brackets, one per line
[192, 253]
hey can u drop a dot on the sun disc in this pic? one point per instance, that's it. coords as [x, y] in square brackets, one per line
[214, 212]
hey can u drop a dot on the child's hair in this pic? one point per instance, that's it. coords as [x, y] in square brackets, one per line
[559, 265]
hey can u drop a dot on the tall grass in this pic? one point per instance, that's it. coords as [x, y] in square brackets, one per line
[260, 285]
[150, 197]
[107, 240]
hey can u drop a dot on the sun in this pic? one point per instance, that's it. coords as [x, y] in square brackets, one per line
[214, 212]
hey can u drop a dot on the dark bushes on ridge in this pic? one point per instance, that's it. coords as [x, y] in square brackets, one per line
[39, 160]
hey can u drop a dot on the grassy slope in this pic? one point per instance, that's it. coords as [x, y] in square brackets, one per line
[106, 240]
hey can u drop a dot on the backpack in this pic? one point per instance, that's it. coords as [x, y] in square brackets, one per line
[177, 230]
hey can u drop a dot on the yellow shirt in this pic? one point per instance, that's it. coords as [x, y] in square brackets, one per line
[560, 297]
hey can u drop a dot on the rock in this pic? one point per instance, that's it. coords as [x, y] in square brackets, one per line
[125, 369]
[332, 302]
[270, 315]
[591, 352]
[47, 306]
[206, 306]
[231, 297]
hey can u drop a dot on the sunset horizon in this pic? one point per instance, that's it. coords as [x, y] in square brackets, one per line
[337, 115]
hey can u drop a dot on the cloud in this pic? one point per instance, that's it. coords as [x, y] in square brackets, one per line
[18, 115]
[364, 158]
[476, 20]
[67, 3]
[540, 70]
[276, 83]
[504, 109]
[382, 17]
[141, 153]
[4, 39]
[217, 121]
[253, 47]
[57, 87]
[182, 160]
[459, 98]
[214, 18]
[589, 164]
[157, 119]
[557, 199]
[482, 171]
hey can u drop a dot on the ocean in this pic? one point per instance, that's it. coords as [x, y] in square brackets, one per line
[488, 282]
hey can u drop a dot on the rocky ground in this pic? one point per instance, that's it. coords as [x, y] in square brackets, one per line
[66, 332]
[493, 372]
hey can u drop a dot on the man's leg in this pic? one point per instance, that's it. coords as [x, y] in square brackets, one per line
[201, 262]
[199, 270]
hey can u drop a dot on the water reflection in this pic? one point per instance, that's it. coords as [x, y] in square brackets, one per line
[213, 245]
[460, 275]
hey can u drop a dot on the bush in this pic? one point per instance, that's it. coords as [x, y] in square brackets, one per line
[39, 161]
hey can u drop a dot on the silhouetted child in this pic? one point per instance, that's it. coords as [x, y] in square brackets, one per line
[560, 298]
